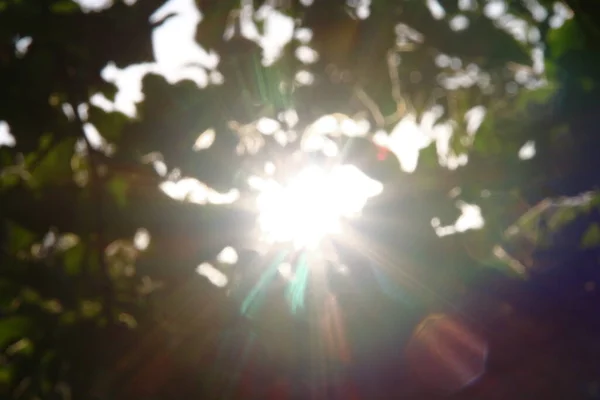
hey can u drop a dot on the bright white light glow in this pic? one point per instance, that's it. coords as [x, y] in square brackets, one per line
[141, 240]
[194, 191]
[228, 256]
[527, 152]
[470, 218]
[205, 140]
[213, 275]
[6, 138]
[312, 204]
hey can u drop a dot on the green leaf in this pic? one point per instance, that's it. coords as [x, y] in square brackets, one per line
[591, 237]
[19, 239]
[64, 7]
[118, 187]
[128, 320]
[12, 328]
[562, 217]
[23, 346]
[46, 141]
[537, 96]
[90, 308]
[29, 295]
[55, 167]
[6, 371]
[8, 179]
[566, 38]
[73, 259]
[507, 265]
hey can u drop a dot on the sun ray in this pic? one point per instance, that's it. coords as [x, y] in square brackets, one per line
[296, 290]
[256, 296]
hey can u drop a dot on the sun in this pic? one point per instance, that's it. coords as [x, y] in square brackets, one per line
[312, 204]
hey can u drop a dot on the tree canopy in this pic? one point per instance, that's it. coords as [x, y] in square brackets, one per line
[476, 117]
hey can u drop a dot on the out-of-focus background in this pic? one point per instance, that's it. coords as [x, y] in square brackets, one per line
[299, 199]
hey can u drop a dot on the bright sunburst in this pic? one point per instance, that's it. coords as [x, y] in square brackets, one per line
[312, 204]
[299, 212]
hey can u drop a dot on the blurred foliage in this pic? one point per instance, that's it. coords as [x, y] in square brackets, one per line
[87, 314]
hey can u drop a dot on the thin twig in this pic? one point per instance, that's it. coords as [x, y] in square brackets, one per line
[395, 80]
[370, 104]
